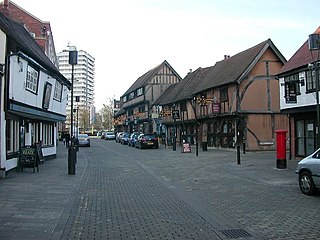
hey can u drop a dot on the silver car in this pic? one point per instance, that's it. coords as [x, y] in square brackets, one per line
[308, 170]
[84, 140]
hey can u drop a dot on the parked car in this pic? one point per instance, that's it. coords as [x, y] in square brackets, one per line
[308, 170]
[118, 136]
[146, 140]
[84, 140]
[124, 138]
[132, 139]
[103, 135]
[110, 136]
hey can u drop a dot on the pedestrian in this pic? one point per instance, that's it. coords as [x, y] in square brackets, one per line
[67, 139]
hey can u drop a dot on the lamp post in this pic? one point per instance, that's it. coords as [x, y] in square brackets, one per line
[193, 104]
[73, 60]
[314, 44]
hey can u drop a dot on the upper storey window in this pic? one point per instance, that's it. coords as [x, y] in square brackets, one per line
[32, 79]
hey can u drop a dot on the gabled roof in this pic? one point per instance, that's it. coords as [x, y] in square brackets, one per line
[184, 89]
[301, 58]
[236, 68]
[145, 78]
[27, 45]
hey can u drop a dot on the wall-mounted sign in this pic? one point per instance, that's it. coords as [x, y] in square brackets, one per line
[46, 95]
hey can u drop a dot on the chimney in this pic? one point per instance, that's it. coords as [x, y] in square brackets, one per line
[226, 57]
[6, 4]
[5, 8]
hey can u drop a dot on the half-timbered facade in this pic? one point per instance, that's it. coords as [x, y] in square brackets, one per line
[137, 113]
[234, 102]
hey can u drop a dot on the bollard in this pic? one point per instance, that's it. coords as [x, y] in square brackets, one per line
[174, 144]
[197, 149]
[238, 154]
[244, 147]
[72, 160]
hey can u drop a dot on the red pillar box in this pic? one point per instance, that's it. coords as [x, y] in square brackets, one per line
[281, 149]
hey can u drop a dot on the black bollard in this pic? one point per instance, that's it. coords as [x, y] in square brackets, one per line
[238, 154]
[244, 147]
[72, 160]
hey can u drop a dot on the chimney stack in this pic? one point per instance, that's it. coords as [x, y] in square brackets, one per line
[226, 57]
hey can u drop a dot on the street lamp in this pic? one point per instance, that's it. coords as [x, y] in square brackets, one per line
[314, 40]
[73, 60]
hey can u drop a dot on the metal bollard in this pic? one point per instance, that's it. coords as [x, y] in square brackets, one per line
[238, 154]
[72, 160]
[244, 147]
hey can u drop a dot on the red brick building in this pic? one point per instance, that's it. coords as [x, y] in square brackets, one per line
[39, 30]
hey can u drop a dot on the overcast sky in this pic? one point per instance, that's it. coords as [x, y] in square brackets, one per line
[129, 37]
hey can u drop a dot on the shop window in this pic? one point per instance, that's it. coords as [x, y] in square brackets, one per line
[47, 134]
[12, 134]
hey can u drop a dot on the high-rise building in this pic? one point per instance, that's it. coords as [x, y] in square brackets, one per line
[83, 88]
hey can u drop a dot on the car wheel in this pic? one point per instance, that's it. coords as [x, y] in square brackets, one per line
[306, 183]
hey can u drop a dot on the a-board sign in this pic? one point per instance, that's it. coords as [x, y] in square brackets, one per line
[186, 148]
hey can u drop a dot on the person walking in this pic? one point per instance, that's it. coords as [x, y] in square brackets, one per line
[67, 139]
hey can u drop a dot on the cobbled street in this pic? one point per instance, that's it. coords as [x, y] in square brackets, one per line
[120, 192]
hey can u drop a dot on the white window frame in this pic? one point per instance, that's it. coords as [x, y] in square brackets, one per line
[57, 91]
[32, 79]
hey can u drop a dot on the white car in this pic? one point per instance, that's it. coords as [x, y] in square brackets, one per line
[308, 170]
[109, 136]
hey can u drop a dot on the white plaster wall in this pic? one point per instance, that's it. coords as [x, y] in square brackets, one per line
[17, 91]
[302, 100]
[3, 40]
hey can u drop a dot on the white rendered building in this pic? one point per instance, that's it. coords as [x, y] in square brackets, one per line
[83, 87]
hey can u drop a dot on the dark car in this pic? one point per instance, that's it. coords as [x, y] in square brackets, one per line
[124, 138]
[146, 140]
[133, 139]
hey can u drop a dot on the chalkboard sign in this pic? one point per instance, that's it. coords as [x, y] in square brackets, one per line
[186, 148]
[28, 158]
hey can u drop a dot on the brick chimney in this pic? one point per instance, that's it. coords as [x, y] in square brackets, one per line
[5, 8]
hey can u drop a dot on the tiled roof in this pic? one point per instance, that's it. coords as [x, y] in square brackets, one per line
[145, 78]
[27, 45]
[182, 90]
[301, 58]
[233, 69]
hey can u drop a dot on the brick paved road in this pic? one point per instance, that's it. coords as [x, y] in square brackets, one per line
[120, 192]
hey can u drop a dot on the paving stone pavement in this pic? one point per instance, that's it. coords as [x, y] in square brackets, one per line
[119, 193]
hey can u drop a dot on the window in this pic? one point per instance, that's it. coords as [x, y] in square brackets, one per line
[131, 95]
[311, 80]
[47, 134]
[32, 79]
[292, 88]
[124, 98]
[139, 91]
[224, 94]
[57, 91]
[12, 135]
[224, 99]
